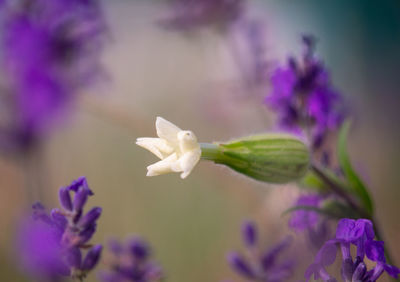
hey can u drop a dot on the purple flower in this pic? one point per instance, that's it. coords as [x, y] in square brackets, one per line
[52, 245]
[187, 15]
[315, 226]
[260, 265]
[303, 96]
[254, 31]
[131, 262]
[361, 234]
[50, 51]
[304, 219]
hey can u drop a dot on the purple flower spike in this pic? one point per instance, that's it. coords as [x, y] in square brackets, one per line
[50, 51]
[359, 233]
[261, 265]
[92, 258]
[52, 245]
[249, 233]
[303, 96]
[131, 262]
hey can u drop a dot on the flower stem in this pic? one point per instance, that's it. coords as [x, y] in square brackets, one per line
[209, 151]
[340, 191]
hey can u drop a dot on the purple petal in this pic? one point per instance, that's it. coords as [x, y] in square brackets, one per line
[74, 257]
[90, 217]
[359, 272]
[269, 258]
[92, 258]
[249, 233]
[240, 265]
[65, 198]
[80, 199]
[327, 254]
[375, 251]
[392, 270]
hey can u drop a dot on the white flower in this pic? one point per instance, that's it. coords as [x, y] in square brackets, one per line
[178, 149]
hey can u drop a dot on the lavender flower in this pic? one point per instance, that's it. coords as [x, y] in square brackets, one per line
[50, 49]
[310, 222]
[52, 245]
[188, 15]
[304, 219]
[361, 234]
[131, 262]
[303, 96]
[260, 265]
[254, 31]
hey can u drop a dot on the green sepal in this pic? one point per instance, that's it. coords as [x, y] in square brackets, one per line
[273, 158]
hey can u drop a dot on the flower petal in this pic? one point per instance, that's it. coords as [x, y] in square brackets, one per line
[167, 130]
[157, 146]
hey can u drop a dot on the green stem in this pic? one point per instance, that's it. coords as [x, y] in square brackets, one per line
[210, 151]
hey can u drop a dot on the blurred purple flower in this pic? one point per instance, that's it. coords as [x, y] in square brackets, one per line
[309, 221]
[361, 234]
[304, 219]
[255, 37]
[303, 96]
[260, 265]
[51, 245]
[187, 15]
[131, 262]
[50, 49]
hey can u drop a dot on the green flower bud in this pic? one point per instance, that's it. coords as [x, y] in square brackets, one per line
[273, 158]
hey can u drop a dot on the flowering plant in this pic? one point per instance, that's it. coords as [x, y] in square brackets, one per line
[50, 50]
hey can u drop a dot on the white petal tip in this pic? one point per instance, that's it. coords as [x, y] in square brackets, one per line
[185, 174]
[151, 173]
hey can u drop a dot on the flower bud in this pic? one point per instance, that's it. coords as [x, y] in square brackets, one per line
[92, 258]
[240, 265]
[273, 158]
[65, 198]
[80, 199]
[90, 217]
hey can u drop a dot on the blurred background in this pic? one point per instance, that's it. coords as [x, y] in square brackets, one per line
[193, 81]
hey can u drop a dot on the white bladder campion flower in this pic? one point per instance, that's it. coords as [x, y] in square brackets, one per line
[178, 149]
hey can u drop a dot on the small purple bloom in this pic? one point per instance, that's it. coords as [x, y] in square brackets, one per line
[131, 262]
[310, 222]
[303, 96]
[50, 51]
[361, 234]
[261, 265]
[304, 219]
[52, 245]
[139, 249]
